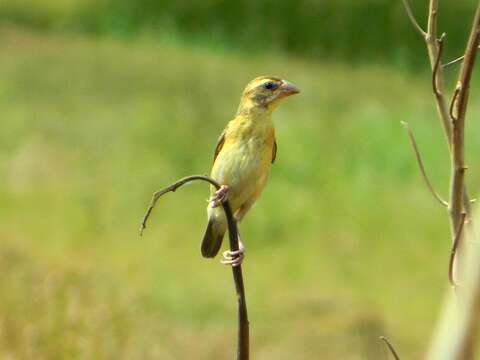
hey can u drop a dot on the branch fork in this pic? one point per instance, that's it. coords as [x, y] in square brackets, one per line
[459, 204]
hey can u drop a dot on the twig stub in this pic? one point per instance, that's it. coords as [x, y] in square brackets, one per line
[390, 347]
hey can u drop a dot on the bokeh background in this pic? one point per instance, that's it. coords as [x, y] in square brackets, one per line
[103, 102]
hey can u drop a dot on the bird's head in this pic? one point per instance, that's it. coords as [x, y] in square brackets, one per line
[264, 93]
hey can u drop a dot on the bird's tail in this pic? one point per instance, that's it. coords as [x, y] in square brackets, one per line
[212, 240]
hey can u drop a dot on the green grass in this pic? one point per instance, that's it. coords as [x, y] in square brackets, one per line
[345, 245]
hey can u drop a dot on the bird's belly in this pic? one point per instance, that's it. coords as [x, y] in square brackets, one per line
[244, 168]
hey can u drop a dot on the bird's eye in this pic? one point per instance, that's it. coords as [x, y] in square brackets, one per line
[270, 85]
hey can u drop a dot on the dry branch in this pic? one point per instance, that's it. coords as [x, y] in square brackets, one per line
[414, 21]
[455, 61]
[458, 328]
[458, 198]
[390, 347]
[433, 48]
[243, 345]
[430, 38]
[421, 166]
[460, 107]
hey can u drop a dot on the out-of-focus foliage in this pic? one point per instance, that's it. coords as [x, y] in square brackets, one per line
[360, 30]
[345, 244]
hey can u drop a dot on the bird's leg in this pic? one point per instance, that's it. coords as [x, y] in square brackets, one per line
[219, 197]
[234, 258]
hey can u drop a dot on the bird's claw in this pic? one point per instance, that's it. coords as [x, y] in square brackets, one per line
[219, 197]
[233, 258]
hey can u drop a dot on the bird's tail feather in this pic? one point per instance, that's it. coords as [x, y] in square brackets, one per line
[212, 240]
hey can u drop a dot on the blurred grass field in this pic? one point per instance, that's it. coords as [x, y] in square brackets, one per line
[345, 245]
[351, 31]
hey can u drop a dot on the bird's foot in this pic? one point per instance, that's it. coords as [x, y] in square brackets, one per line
[234, 258]
[219, 197]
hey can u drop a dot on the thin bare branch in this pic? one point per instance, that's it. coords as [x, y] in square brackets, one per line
[454, 342]
[453, 252]
[457, 203]
[436, 91]
[408, 10]
[157, 195]
[455, 61]
[390, 347]
[243, 345]
[468, 64]
[432, 47]
[421, 166]
[457, 206]
[431, 36]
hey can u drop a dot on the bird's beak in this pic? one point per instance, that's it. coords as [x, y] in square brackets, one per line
[288, 89]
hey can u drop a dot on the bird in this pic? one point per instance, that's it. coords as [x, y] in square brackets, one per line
[245, 151]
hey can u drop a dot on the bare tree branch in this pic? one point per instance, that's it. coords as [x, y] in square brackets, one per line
[456, 336]
[457, 184]
[414, 22]
[446, 113]
[421, 166]
[453, 252]
[457, 199]
[433, 49]
[157, 195]
[455, 339]
[455, 61]
[443, 111]
[243, 345]
[390, 347]
[432, 21]
[467, 66]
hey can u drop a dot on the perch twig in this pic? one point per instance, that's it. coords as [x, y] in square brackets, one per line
[243, 345]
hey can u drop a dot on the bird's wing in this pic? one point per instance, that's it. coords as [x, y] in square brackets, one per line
[218, 148]
[274, 152]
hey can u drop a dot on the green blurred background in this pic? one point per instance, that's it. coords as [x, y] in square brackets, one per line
[104, 102]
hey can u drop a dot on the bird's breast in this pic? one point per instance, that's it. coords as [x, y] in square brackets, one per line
[243, 165]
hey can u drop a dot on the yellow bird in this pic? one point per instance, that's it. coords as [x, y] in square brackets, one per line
[243, 157]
